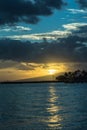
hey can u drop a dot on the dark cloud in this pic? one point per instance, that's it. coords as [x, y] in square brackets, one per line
[70, 49]
[83, 3]
[13, 11]
[18, 65]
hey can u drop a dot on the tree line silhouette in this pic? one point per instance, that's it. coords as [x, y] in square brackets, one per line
[71, 77]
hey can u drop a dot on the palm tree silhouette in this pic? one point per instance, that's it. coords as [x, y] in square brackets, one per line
[76, 76]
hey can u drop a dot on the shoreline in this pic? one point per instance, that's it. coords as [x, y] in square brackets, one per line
[25, 82]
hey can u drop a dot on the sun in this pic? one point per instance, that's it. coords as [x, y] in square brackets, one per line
[52, 71]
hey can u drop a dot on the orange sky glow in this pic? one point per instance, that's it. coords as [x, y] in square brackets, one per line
[39, 70]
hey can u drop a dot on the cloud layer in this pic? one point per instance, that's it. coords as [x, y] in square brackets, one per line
[14, 29]
[76, 11]
[83, 3]
[67, 30]
[67, 49]
[28, 11]
[13, 11]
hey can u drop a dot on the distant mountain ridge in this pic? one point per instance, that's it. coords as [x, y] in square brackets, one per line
[43, 78]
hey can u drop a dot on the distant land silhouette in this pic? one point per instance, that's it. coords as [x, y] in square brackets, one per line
[43, 79]
[73, 77]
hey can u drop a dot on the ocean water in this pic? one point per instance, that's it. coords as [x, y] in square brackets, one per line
[43, 106]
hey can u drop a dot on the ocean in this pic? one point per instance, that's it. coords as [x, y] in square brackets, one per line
[43, 106]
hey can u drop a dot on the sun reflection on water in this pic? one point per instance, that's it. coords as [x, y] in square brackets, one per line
[54, 119]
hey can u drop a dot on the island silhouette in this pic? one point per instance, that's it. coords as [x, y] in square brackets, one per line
[77, 76]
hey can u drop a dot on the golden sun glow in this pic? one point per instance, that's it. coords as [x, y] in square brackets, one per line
[52, 71]
[31, 70]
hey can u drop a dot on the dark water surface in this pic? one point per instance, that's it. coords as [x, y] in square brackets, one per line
[50, 106]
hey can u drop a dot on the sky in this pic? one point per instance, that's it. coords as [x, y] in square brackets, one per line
[41, 35]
